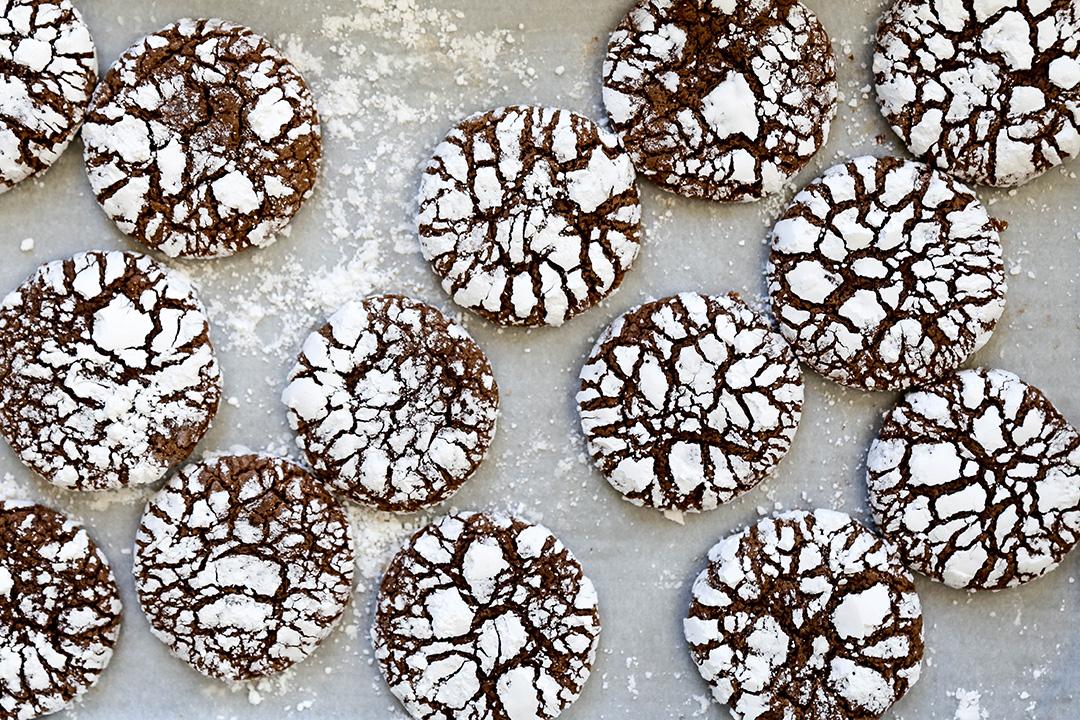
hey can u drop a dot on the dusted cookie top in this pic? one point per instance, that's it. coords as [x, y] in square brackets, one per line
[721, 99]
[988, 90]
[203, 140]
[485, 617]
[107, 375]
[48, 67]
[806, 616]
[977, 480]
[689, 401]
[59, 611]
[885, 274]
[394, 404]
[243, 564]
[529, 215]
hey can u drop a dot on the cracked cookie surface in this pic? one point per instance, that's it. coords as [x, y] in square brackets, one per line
[107, 374]
[806, 616]
[529, 215]
[59, 611]
[243, 564]
[394, 404]
[48, 68]
[202, 140]
[885, 273]
[988, 90]
[976, 479]
[721, 99]
[689, 401]
[485, 617]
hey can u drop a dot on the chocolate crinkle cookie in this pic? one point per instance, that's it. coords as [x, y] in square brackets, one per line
[988, 90]
[48, 68]
[885, 273]
[393, 403]
[689, 401]
[243, 564]
[720, 99]
[107, 374]
[202, 140]
[485, 617]
[59, 611]
[976, 479]
[806, 616]
[529, 215]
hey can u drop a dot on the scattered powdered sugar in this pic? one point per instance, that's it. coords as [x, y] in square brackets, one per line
[967, 705]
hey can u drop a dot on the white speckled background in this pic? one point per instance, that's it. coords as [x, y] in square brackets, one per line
[391, 77]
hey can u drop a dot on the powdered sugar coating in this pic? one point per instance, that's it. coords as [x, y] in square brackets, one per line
[59, 611]
[689, 401]
[48, 68]
[485, 617]
[885, 273]
[243, 564]
[394, 404]
[720, 99]
[976, 479]
[203, 140]
[806, 616]
[529, 215]
[107, 374]
[988, 90]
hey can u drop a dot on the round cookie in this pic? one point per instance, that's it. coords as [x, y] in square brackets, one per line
[107, 375]
[485, 617]
[977, 480]
[689, 401]
[48, 68]
[59, 611]
[529, 215]
[394, 405]
[885, 273]
[720, 99]
[988, 90]
[806, 616]
[202, 140]
[243, 564]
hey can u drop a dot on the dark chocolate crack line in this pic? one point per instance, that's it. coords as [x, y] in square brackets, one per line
[976, 478]
[107, 374]
[988, 90]
[59, 611]
[689, 401]
[806, 616]
[529, 215]
[485, 617]
[394, 405]
[721, 99]
[885, 273]
[243, 565]
[202, 140]
[48, 68]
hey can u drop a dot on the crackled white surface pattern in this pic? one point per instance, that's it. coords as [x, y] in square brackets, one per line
[806, 616]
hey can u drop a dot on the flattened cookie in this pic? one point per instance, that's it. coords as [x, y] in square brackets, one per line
[485, 617]
[689, 401]
[394, 404]
[243, 564]
[721, 99]
[202, 141]
[529, 215]
[107, 375]
[59, 611]
[977, 480]
[885, 274]
[806, 616]
[988, 90]
[48, 68]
